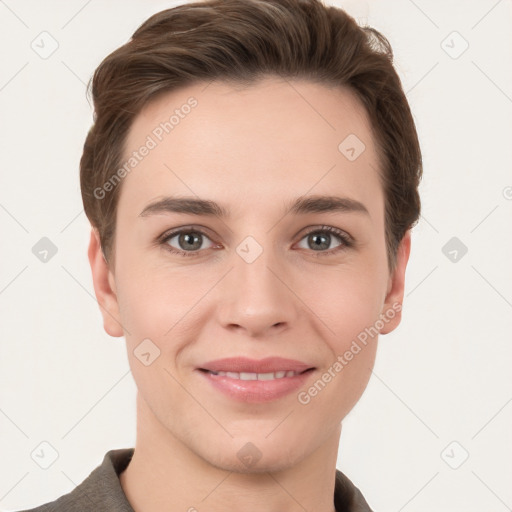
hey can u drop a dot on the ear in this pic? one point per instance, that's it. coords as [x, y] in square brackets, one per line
[104, 287]
[392, 308]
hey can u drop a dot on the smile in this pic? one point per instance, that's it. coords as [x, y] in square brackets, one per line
[256, 376]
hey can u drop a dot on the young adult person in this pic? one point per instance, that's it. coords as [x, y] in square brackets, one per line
[251, 181]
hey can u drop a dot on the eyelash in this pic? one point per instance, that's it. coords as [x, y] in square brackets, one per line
[346, 241]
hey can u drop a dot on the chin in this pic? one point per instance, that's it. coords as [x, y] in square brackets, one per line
[262, 467]
[248, 458]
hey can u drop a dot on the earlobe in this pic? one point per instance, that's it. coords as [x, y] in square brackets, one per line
[392, 309]
[104, 287]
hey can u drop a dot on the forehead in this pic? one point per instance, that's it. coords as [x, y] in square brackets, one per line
[272, 139]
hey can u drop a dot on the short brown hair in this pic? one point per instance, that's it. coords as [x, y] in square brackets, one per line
[242, 41]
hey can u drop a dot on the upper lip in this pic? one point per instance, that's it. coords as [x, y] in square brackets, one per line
[244, 364]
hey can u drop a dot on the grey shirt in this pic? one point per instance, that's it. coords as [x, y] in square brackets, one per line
[101, 491]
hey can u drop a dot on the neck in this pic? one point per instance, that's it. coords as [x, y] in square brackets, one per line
[165, 474]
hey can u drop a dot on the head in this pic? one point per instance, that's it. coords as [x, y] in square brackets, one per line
[261, 107]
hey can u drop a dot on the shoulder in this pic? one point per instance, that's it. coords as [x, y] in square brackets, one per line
[347, 497]
[100, 491]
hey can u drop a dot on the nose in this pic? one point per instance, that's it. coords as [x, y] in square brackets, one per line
[257, 297]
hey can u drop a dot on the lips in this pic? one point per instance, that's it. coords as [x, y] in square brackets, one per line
[244, 366]
[256, 381]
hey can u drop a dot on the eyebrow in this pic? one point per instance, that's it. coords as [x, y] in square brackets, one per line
[300, 206]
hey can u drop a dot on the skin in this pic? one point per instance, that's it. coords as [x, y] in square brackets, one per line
[251, 149]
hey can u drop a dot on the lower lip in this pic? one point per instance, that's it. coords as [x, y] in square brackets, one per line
[256, 391]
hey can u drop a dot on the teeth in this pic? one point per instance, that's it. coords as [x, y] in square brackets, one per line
[257, 376]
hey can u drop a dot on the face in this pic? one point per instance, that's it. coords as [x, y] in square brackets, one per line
[256, 278]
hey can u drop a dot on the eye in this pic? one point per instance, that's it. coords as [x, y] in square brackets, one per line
[320, 239]
[189, 241]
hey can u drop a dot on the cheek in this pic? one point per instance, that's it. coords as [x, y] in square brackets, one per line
[348, 309]
[161, 304]
[347, 300]
[144, 291]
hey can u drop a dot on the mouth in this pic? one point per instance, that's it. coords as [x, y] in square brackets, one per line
[280, 374]
[256, 382]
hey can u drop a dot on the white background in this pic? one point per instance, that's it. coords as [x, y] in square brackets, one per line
[442, 376]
